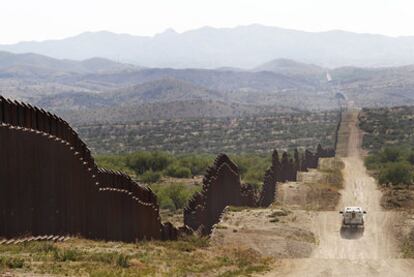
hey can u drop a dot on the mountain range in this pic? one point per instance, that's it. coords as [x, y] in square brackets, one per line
[241, 47]
[100, 90]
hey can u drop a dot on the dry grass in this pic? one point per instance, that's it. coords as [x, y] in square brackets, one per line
[407, 245]
[77, 257]
[277, 232]
[238, 208]
[397, 199]
[316, 190]
[331, 170]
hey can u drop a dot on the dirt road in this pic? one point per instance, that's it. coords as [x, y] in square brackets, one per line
[372, 252]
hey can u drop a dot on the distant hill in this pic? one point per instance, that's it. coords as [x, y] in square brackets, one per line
[240, 47]
[375, 87]
[171, 98]
[208, 78]
[162, 90]
[34, 65]
[293, 68]
[167, 110]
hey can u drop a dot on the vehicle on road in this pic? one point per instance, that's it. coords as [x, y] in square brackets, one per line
[353, 217]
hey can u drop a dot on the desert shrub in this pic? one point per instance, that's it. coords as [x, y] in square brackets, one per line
[149, 167]
[144, 161]
[114, 162]
[179, 194]
[41, 246]
[11, 262]
[173, 196]
[391, 154]
[398, 173]
[105, 257]
[254, 177]
[392, 165]
[373, 161]
[410, 157]
[407, 245]
[150, 177]
[63, 255]
[166, 202]
[122, 261]
[177, 171]
[252, 167]
[197, 163]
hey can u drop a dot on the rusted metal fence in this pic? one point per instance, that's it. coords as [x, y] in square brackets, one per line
[50, 184]
[222, 187]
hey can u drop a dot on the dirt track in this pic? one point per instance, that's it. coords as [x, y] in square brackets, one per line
[372, 252]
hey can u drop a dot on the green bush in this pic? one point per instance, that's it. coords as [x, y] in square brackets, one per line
[197, 163]
[66, 255]
[178, 171]
[173, 196]
[410, 158]
[141, 162]
[114, 162]
[399, 173]
[151, 166]
[254, 177]
[11, 262]
[166, 202]
[122, 261]
[373, 162]
[391, 154]
[252, 167]
[150, 177]
[179, 194]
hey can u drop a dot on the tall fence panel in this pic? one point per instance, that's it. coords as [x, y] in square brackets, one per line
[50, 184]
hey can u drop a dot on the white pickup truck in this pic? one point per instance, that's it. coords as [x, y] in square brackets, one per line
[353, 217]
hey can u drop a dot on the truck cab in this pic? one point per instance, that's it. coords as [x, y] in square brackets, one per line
[353, 217]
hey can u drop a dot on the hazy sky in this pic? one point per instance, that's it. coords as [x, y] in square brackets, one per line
[48, 19]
